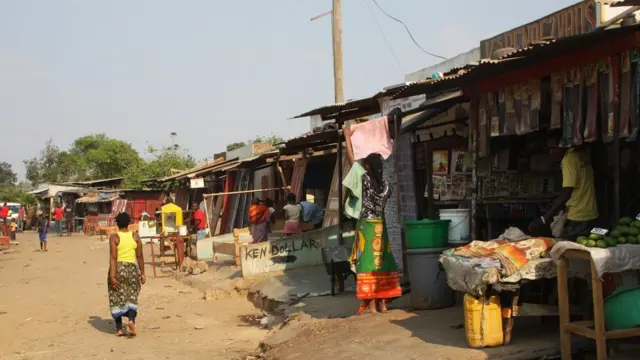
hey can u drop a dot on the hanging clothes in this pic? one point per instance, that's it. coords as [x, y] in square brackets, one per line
[353, 183]
[502, 111]
[556, 100]
[578, 120]
[634, 117]
[568, 109]
[625, 93]
[519, 107]
[535, 103]
[371, 137]
[510, 112]
[483, 115]
[606, 108]
[590, 76]
[494, 114]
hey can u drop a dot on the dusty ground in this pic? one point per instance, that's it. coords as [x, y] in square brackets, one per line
[54, 305]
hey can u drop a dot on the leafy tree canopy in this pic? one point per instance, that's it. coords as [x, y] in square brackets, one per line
[163, 161]
[271, 139]
[7, 176]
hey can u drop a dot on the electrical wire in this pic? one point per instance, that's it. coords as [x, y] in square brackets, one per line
[384, 36]
[408, 31]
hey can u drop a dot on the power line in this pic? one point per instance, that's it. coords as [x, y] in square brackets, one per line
[383, 34]
[408, 31]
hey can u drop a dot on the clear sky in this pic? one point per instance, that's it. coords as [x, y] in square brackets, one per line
[213, 71]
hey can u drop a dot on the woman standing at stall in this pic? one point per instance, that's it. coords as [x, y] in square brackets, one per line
[376, 270]
[259, 215]
[126, 274]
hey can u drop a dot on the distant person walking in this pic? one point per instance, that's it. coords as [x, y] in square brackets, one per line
[126, 274]
[58, 216]
[14, 229]
[21, 218]
[292, 214]
[43, 229]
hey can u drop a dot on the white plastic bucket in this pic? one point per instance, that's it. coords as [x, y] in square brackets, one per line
[182, 230]
[459, 225]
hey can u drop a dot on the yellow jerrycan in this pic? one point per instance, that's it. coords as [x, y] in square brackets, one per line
[483, 321]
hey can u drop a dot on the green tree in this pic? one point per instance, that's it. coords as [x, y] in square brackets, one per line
[12, 193]
[97, 156]
[236, 145]
[51, 166]
[162, 162]
[7, 176]
[271, 139]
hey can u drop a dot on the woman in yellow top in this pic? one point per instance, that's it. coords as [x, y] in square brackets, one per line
[126, 274]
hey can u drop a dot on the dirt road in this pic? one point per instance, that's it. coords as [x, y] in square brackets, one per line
[54, 305]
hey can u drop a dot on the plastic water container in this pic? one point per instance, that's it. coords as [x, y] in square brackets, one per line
[182, 230]
[459, 225]
[483, 322]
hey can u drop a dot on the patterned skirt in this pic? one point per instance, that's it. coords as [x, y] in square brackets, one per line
[376, 269]
[126, 297]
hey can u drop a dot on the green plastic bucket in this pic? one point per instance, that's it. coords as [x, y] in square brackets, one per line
[622, 309]
[426, 234]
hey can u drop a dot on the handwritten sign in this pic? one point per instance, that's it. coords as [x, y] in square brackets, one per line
[576, 19]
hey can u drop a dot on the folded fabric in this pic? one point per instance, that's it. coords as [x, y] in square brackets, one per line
[353, 183]
[511, 255]
[371, 137]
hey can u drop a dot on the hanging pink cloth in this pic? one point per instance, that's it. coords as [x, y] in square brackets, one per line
[371, 137]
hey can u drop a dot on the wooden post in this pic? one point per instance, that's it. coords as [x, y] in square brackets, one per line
[340, 194]
[50, 209]
[473, 134]
[336, 32]
[563, 308]
[615, 69]
[431, 210]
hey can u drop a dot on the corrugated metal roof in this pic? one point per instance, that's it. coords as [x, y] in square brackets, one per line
[332, 109]
[99, 197]
[542, 50]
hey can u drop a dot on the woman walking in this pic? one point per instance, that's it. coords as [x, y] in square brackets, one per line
[126, 274]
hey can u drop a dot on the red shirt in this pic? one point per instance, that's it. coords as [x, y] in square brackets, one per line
[199, 215]
[4, 211]
[58, 213]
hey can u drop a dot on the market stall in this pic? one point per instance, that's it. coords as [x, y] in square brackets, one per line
[578, 96]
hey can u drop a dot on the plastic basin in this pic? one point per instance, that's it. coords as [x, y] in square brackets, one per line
[426, 234]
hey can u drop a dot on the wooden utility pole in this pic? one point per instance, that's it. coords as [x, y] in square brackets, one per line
[336, 27]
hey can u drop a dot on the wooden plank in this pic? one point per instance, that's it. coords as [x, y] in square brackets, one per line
[563, 307]
[598, 314]
[297, 179]
[582, 331]
[622, 334]
[217, 208]
[331, 211]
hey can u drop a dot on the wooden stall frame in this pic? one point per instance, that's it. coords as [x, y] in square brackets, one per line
[592, 329]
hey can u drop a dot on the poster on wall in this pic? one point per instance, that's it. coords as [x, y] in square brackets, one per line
[461, 163]
[440, 162]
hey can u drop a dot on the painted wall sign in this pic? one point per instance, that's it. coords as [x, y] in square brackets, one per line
[405, 104]
[572, 20]
[196, 183]
[292, 252]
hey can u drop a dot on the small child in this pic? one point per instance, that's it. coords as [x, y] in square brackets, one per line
[43, 229]
[14, 229]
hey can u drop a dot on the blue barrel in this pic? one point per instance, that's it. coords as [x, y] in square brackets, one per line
[429, 288]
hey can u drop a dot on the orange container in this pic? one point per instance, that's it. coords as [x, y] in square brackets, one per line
[483, 321]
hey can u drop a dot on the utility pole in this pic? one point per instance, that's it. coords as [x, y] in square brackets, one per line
[336, 36]
[336, 31]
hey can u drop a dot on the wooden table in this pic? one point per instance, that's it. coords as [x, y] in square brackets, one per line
[592, 329]
[178, 244]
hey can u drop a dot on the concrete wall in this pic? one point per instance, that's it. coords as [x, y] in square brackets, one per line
[405, 180]
[292, 252]
[456, 61]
